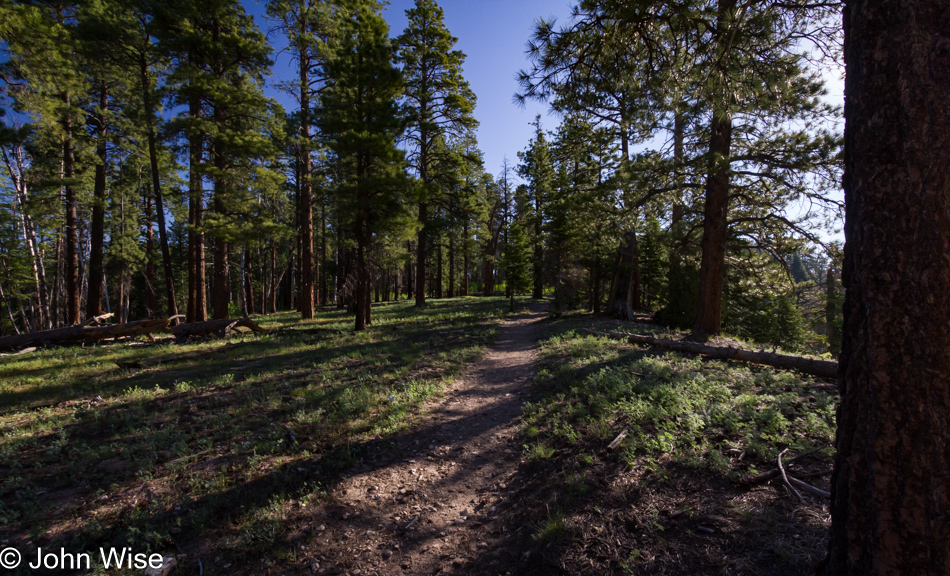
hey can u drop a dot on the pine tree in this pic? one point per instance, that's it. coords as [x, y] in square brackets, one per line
[360, 120]
[889, 491]
[537, 169]
[440, 105]
[516, 262]
[220, 61]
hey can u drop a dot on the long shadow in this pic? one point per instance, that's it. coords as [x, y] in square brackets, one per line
[295, 478]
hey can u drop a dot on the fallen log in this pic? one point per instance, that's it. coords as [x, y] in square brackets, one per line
[145, 362]
[219, 328]
[820, 368]
[84, 333]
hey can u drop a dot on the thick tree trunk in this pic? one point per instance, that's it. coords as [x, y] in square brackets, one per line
[890, 507]
[421, 256]
[713, 265]
[72, 224]
[84, 333]
[488, 273]
[625, 288]
[97, 225]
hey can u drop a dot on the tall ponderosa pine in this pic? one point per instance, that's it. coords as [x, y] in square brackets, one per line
[440, 105]
[360, 121]
[890, 491]
[306, 25]
[221, 58]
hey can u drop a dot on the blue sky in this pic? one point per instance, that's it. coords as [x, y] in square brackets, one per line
[492, 34]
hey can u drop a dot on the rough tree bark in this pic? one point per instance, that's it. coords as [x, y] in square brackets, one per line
[890, 504]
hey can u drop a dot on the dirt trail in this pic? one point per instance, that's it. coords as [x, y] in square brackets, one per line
[433, 502]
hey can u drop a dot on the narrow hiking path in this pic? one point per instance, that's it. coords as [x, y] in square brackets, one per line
[430, 502]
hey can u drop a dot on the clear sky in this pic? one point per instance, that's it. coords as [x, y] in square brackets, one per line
[492, 34]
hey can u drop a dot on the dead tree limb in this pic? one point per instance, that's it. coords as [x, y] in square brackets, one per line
[781, 470]
[766, 476]
[820, 368]
[809, 487]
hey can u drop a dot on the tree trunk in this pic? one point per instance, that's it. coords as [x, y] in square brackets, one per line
[451, 266]
[488, 271]
[821, 368]
[538, 292]
[409, 278]
[221, 296]
[172, 304]
[324, 286]
[305, 291]
[85, 333]
[97, 232]
[16, 167]
[72, 224]
[421, 256]
[272, 305]
[890, 491]
[625, 287]
[248, 283]
[464, 291]
[197, 290]
[363, 306]
[150, 301]
[713, 265]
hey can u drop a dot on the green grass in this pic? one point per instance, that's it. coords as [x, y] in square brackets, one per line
[676, 409]
[93, 453]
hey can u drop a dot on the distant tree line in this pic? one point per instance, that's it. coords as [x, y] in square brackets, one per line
[147, 174]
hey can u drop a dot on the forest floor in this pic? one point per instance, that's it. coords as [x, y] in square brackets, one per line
[454, 440]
